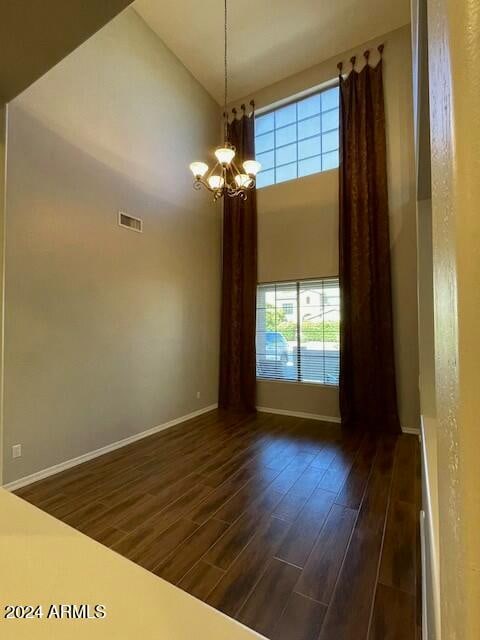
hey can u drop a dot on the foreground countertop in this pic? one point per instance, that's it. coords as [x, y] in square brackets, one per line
[45, 562]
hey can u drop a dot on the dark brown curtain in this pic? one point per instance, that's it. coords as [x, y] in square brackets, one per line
[367, 367]
[237, 346]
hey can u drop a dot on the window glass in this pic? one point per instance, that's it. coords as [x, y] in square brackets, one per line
[309, 107]
[298, 139]
[309, 166]
[264, 142]
[329, 141]
[298, 331]
[309, 127]
[285, 135]
[265, 178]
[285, 115]
[330, 99]
[330, 161]
[330, 120]
[264, 123]
[267, 160]
[286, 172]
[286, 154]
[309, 147]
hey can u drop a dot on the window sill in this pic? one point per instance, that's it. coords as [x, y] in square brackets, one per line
[317, 385]
[307, 177]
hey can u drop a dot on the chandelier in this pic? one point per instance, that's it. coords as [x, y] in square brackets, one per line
[225, 178]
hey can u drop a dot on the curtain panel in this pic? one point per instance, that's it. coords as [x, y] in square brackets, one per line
[368, 397]
[239, 281]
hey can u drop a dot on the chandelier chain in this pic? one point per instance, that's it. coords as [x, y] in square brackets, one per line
[226, 74]
[226, 179]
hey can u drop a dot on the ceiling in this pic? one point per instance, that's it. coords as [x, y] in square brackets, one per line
[268, 39]
[36, 34]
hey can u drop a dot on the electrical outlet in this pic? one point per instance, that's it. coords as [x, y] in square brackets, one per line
[17, 451]
[198, 395]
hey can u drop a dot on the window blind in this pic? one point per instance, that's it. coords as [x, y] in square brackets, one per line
[298, 326]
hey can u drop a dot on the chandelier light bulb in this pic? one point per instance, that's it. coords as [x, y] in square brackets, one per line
[225, 155]
[215, 182]
[242, 180]
[199, 169]
[252, 167]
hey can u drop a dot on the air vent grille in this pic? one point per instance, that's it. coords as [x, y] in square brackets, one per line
[129, 222]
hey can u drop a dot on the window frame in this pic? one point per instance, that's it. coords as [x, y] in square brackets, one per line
[298, 284]
[295, 100]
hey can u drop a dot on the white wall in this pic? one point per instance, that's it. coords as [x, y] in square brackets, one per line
[108, 332]
[298, 226]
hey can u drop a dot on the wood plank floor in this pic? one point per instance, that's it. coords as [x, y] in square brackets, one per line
[294, 528]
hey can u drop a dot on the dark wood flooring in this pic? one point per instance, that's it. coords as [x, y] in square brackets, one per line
[296, 529]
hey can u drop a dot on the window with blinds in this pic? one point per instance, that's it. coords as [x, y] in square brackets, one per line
[298, 326]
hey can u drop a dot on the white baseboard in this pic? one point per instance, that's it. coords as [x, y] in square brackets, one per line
[299, 414]
[431, 600]
[423, 545]
[315, 416]
[73, 462]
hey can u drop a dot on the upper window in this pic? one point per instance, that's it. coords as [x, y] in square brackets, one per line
[298, 139]
[298, 331]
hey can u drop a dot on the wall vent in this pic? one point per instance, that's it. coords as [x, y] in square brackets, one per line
[129, 222]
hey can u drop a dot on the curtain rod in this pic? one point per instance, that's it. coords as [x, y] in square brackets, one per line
[366, 55]
[243, 108]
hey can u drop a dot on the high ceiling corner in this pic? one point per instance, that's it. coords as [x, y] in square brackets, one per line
[36, 34]
[269, 40]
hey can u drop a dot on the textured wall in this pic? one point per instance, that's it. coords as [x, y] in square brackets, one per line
[108, 332]
[3, 158]
[454, 52]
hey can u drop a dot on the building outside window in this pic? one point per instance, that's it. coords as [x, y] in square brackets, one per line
[298, 331]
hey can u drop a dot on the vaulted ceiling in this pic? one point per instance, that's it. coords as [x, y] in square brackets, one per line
[269, 39]
[36, 34]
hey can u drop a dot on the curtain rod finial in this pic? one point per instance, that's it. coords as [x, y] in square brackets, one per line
[380, 48]
[366, 54]
[340, 67]
[353, 60]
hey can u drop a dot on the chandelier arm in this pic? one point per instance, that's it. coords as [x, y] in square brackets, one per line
[212, 171]
[236, 172]
[201, 182]
[233, 193]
